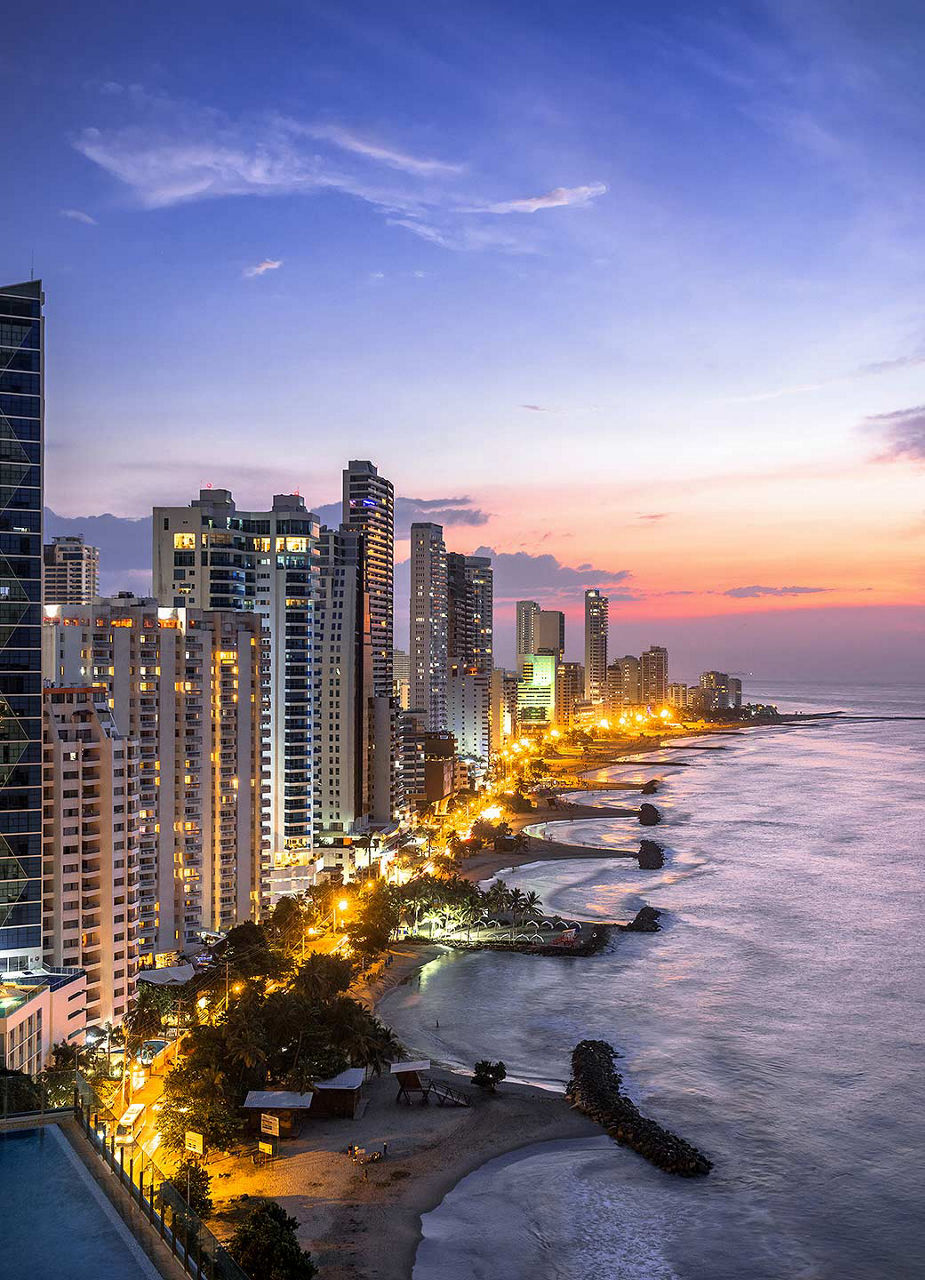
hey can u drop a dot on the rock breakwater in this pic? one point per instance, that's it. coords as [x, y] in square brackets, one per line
[595, 1089]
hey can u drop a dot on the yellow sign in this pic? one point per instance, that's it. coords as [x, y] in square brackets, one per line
[193, 1142]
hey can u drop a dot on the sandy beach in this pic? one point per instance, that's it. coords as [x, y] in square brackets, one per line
[366, 1222]
[361, 1223]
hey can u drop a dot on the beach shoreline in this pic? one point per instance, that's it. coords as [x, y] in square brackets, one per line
[367, 1224]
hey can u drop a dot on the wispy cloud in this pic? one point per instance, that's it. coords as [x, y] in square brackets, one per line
[347, 141]
[558, 198]
[464, 237]
[78, 215]
[887, 366]
[176, 153]
[749, 593]
[653, 515]
[268, 264]
[535, 408]
[872, 370]
[903, 433]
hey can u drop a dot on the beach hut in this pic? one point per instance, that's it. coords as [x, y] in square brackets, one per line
[288, 1106]
[342, 1095]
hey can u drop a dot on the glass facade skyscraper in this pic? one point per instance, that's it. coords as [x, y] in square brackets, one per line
[21, 440]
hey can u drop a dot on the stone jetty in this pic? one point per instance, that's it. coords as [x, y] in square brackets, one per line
[595, 1089]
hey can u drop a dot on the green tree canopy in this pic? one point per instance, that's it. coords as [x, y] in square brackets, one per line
[265, 1245]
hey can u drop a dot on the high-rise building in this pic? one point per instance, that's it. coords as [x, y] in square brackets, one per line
[401, 678]
[72, 571]
[369, 509]
[536, 691]
[525, 635]
[22, 416]
[654, 676]
[469, 712]
[570, 689]
[470, 628]
[210, 555]
[470, 643]
[624, 683]
[503, 707]
[91, 848]
[597, 608]
[344, 671]
[719, 692]
[549, 633]
[678, 696]
[185, 684]
[428, 629]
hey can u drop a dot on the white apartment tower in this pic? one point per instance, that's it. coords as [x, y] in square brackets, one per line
[528, 612]
[428, 628]
[185, 685]
[343, 663]
[91, 852]
[401, 678]
[71, 571]
[653, 668]
[210, 555]
[597, 608]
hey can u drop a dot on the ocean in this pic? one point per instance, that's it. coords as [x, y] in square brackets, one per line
[776, 1022]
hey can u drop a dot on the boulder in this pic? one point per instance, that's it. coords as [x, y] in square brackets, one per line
[651, 855]
[649, 788]
[645, 921]
[649, 816]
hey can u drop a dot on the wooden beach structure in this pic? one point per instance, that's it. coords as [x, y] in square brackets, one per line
[415, 1085]
[341, 1097]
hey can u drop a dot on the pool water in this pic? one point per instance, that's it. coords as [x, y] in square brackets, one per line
[57, 1224]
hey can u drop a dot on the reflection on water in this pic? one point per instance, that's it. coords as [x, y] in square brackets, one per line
[776, 1021]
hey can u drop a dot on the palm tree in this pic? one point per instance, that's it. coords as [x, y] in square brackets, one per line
[145, 1019]
[533, 904]
[516, 899]
[245, 1037]
[470, 912]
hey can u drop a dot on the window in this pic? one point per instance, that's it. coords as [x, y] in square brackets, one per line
[184, 541]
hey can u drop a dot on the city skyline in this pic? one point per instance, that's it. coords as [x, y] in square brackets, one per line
[706, 361]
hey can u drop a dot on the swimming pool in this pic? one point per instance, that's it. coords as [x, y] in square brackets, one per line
[57, 1223]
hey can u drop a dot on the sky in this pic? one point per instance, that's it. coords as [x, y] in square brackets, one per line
[630, 294]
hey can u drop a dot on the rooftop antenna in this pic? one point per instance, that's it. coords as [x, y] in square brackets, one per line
[32, 266]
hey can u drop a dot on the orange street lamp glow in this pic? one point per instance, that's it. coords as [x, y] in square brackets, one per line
[343, 904]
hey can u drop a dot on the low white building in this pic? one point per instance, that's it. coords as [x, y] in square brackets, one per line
[39, 1009]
